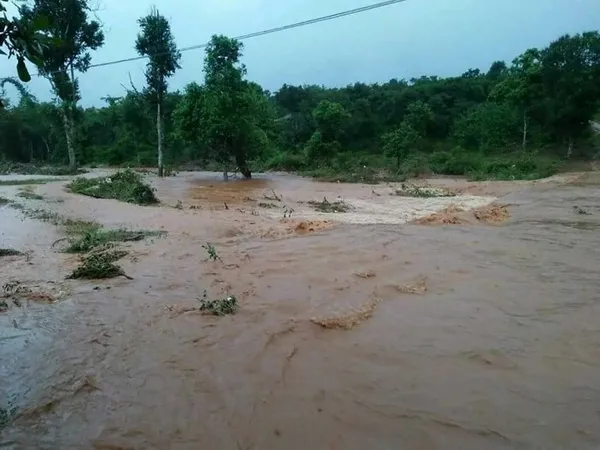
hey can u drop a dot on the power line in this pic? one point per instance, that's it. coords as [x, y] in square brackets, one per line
[349, 12]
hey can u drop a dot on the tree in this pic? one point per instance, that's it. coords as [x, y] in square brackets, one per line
[400, 142]
[233, 115]
[156, 41]
[571, 78]
[330, 118]
[73, 36]
[522, 87]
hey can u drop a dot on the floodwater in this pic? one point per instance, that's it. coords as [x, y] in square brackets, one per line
[497, 348]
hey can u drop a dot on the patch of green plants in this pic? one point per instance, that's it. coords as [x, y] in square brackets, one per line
[410, 190]
[267, 205]
[126, 186]
[28, 194]
[220, 306]
[100, 265]
[212, 252]
[4, 201]
[97, 237]
[28, 181]
[479, 167]
[326, 206]
[8, 168]
[9, 252]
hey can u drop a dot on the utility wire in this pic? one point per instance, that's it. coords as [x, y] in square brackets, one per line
[265, 32]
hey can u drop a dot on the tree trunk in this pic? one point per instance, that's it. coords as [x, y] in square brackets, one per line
[159, 132]
[243, 167]
[570, 148]
[525, 123]
[69, 136]
[47, 148]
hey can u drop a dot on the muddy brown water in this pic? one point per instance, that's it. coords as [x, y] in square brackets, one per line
[502, 351]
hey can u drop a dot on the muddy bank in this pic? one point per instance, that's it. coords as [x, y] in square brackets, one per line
[351, 336]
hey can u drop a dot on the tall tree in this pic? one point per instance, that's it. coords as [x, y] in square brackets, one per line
[234, 110]
[522, 87]
[571, 77]
[156, 41]
[73, 35]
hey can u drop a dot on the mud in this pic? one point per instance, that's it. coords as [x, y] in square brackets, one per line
[354, 330]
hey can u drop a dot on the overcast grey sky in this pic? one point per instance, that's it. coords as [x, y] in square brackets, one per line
[410, 39]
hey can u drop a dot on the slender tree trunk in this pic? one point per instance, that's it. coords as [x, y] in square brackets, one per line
[243, 166]
[570, 148]
[160, 140]
[525, 123]
[47, 148]
[69, 136]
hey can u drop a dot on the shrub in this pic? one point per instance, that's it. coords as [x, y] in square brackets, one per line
[126, 186]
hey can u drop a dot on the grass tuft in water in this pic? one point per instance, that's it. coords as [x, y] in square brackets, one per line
[98, 266]
[9, 252]
[97, 237]
[330, 207]
[410, 190]
[212, 252]
[220, 306]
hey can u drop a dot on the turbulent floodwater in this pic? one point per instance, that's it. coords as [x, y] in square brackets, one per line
[500, 351]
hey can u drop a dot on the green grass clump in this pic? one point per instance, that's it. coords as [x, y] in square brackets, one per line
[479, 167]
[99, 266]
[29, 181]
[330, 207]
[220, 306]
[7, 168]
[9, 252]
[409, 190]
[4, 201]
[28, 193]
[97, 237]
[126, 186]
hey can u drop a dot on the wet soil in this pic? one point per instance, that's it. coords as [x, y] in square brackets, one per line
[354, 331]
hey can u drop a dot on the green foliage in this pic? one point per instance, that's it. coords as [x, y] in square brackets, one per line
[7, 168]
[126, 186]
[99, 266]
[488, 127]
[24, 38]
[72, 36]
[228, 116]
[465, 125]
[9, 252]
[326, 206]
[157, 43]
[220, 306]
[98, 237]
[212, 252]
[411, 190]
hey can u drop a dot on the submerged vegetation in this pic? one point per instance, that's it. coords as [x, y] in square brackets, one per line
[326, 206]
[98, 237]
[99, 265]
[218, 307]
[126, 186]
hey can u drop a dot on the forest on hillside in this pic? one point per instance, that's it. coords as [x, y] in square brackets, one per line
[517, 119]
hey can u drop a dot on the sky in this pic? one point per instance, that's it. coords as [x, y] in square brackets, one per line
[404, 40]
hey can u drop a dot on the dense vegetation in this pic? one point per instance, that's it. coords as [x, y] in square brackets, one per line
[516, 120]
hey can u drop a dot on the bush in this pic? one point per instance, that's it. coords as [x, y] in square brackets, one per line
[126, 186]
[285, 161]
